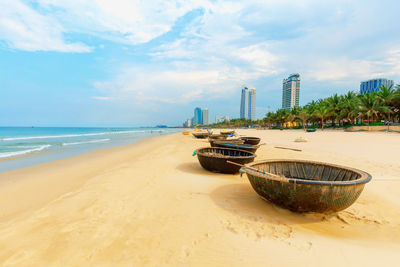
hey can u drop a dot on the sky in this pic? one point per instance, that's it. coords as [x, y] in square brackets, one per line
[142, 63]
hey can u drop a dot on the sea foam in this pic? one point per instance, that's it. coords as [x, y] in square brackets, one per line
[23, 152]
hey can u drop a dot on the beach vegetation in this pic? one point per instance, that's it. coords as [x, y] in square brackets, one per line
[336, 111]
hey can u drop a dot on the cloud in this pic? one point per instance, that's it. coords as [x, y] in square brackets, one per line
[236, 43]
[125, 21]
[25, 29]
[102, 98]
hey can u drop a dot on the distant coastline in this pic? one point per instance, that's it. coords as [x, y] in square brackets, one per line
[27, 146]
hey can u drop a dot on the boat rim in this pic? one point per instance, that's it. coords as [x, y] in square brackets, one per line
[365, 177]
[228, 157]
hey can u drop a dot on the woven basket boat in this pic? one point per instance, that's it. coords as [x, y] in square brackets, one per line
[228, 141]
[217, 137]
[251, 140]
[201, 135]
[230, 132]
[245, 147]
[311, 130]
[307, 186]
[214, 159]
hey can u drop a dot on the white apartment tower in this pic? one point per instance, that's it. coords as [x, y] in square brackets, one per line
[291, 91]
[248, 104]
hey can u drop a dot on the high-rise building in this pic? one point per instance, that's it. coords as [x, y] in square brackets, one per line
[188, 123]
[291, 91]
[197, 118]
[374, 85]
[219, 119]
[248, 104]
[204, 115]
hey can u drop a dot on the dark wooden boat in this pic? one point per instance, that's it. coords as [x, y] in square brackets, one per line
[251, 140]
[228, 141]
[311, 130]
[245, 147]
[214, 159]
[201, 135]
[217, 137]
[231, 132]
[307, 186]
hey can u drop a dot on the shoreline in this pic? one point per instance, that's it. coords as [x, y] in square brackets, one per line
[150, 203]
[67, 148]
[17, 177]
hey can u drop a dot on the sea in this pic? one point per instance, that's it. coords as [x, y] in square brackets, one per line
[26, 146]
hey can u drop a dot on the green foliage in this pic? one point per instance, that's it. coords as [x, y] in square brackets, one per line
[336, 110]
[343, 109]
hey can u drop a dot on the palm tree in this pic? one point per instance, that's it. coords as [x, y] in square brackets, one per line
[333, 103]
[349, 106]
[304, 116]
[322, 111]
[370, 106]
[386, 95]
[281, 116]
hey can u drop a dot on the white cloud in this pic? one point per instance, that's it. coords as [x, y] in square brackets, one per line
[102, 98]
[126, 21]
[25, 29]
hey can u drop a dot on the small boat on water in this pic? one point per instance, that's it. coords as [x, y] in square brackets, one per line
[251, 140]
[306, 186]
[250, 148]
[201, 135]
[215, 159]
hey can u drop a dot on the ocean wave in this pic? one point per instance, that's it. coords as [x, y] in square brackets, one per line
[70, 135]
[23, 152]
[86, 142]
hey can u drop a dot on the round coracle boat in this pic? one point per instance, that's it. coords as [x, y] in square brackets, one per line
[245, 147]
[217, 137]
[228, 132]
[228, 141]
[306, 186]
[215, 159]
[251, 140]
[201, 135]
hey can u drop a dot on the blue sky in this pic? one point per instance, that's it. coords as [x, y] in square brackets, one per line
[140, 63]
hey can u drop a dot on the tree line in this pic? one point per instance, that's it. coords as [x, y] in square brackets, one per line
[337, 110]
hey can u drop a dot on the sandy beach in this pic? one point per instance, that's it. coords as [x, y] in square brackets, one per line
[151, 204]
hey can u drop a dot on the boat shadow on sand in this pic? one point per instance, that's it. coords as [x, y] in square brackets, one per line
[256, 216]
[195, 168]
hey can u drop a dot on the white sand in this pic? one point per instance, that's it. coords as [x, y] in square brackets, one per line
[152, 204]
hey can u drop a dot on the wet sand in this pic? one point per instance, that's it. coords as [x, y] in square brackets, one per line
[151, 204]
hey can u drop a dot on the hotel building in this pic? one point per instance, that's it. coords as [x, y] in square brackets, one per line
[291, 91]
[248, 104]
[197, 118]
[204, 115]
[374, 85]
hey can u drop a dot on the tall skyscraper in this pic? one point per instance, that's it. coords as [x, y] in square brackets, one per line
[374, 84]
[197, 118]
[204, 115]
[248, 104]
[291, 91]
